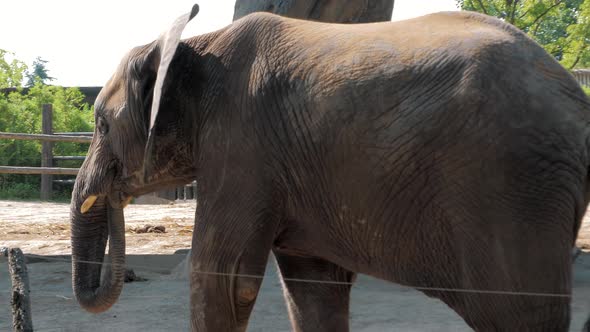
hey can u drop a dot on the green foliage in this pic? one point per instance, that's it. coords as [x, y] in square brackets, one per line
[576, 45]
[19, 190]
[39, 73]
[587, 90]
[21, 113]
[11, 72]
[562, 27]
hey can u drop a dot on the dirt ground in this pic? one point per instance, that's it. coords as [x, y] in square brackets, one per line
[44, 228]
[161, 302]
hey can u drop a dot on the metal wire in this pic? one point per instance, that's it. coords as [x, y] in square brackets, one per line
[331, 282]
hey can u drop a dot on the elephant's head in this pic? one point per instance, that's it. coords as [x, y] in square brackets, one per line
[139, 145]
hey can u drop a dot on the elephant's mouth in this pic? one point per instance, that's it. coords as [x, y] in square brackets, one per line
[112, 187]
[118, 200]
[123, 189]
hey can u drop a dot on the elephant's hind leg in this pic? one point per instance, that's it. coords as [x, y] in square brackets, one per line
[315, 306]
[520, 279]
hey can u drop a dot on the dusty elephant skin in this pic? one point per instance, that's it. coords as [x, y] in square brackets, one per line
[447, 152]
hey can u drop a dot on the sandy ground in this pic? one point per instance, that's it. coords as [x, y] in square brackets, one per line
[44, 228]
[161, 303]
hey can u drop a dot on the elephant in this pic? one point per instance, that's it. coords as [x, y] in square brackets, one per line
[448, 153]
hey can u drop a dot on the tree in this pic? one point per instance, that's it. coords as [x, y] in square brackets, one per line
[562, 27]
[39, 73]
[320, 10]
[576, 45]
[11, 72]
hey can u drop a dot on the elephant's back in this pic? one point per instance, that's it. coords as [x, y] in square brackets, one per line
[409, 42]
[450, 76]
[477, 63]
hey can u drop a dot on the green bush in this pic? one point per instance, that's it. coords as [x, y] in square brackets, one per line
[18, 190]
[587, 90]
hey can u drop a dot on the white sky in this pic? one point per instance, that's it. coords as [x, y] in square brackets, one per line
[85, 40]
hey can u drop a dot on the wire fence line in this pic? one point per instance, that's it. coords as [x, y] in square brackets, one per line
[71, 296]
[318, 281]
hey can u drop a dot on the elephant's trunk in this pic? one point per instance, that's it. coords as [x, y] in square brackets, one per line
[90, 232]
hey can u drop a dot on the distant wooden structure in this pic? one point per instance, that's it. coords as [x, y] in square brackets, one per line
[582, 76]
[46, 151]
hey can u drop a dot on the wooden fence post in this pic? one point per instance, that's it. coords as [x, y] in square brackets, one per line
[19, 300]
[47, 152]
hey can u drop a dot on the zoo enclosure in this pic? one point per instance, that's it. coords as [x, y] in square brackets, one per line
[48, 160]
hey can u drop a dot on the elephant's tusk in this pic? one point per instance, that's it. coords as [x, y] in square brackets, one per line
[88, 203]
[127, 201]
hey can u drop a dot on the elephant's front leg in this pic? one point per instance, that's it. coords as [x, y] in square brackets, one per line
[229, 256]
[317, 292]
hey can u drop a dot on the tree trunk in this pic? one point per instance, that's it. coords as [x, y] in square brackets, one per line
[333, 11]
[20, 298]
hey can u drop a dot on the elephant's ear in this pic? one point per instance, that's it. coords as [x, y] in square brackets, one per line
[167, 43]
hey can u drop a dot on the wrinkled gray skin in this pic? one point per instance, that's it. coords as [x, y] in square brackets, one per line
[448, 151]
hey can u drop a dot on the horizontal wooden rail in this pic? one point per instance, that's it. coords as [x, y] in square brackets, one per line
[38, 170]
[76, 133]
[47, 138]
[69, 157]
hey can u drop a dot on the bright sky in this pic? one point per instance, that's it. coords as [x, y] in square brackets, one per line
[85, 40]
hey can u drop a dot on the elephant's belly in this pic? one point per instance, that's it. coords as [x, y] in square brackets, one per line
[398, 252]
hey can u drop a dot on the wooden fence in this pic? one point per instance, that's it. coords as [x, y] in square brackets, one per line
[48, 161]
[47, 138]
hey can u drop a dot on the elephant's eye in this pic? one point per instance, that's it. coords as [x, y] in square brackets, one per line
[102, 125]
